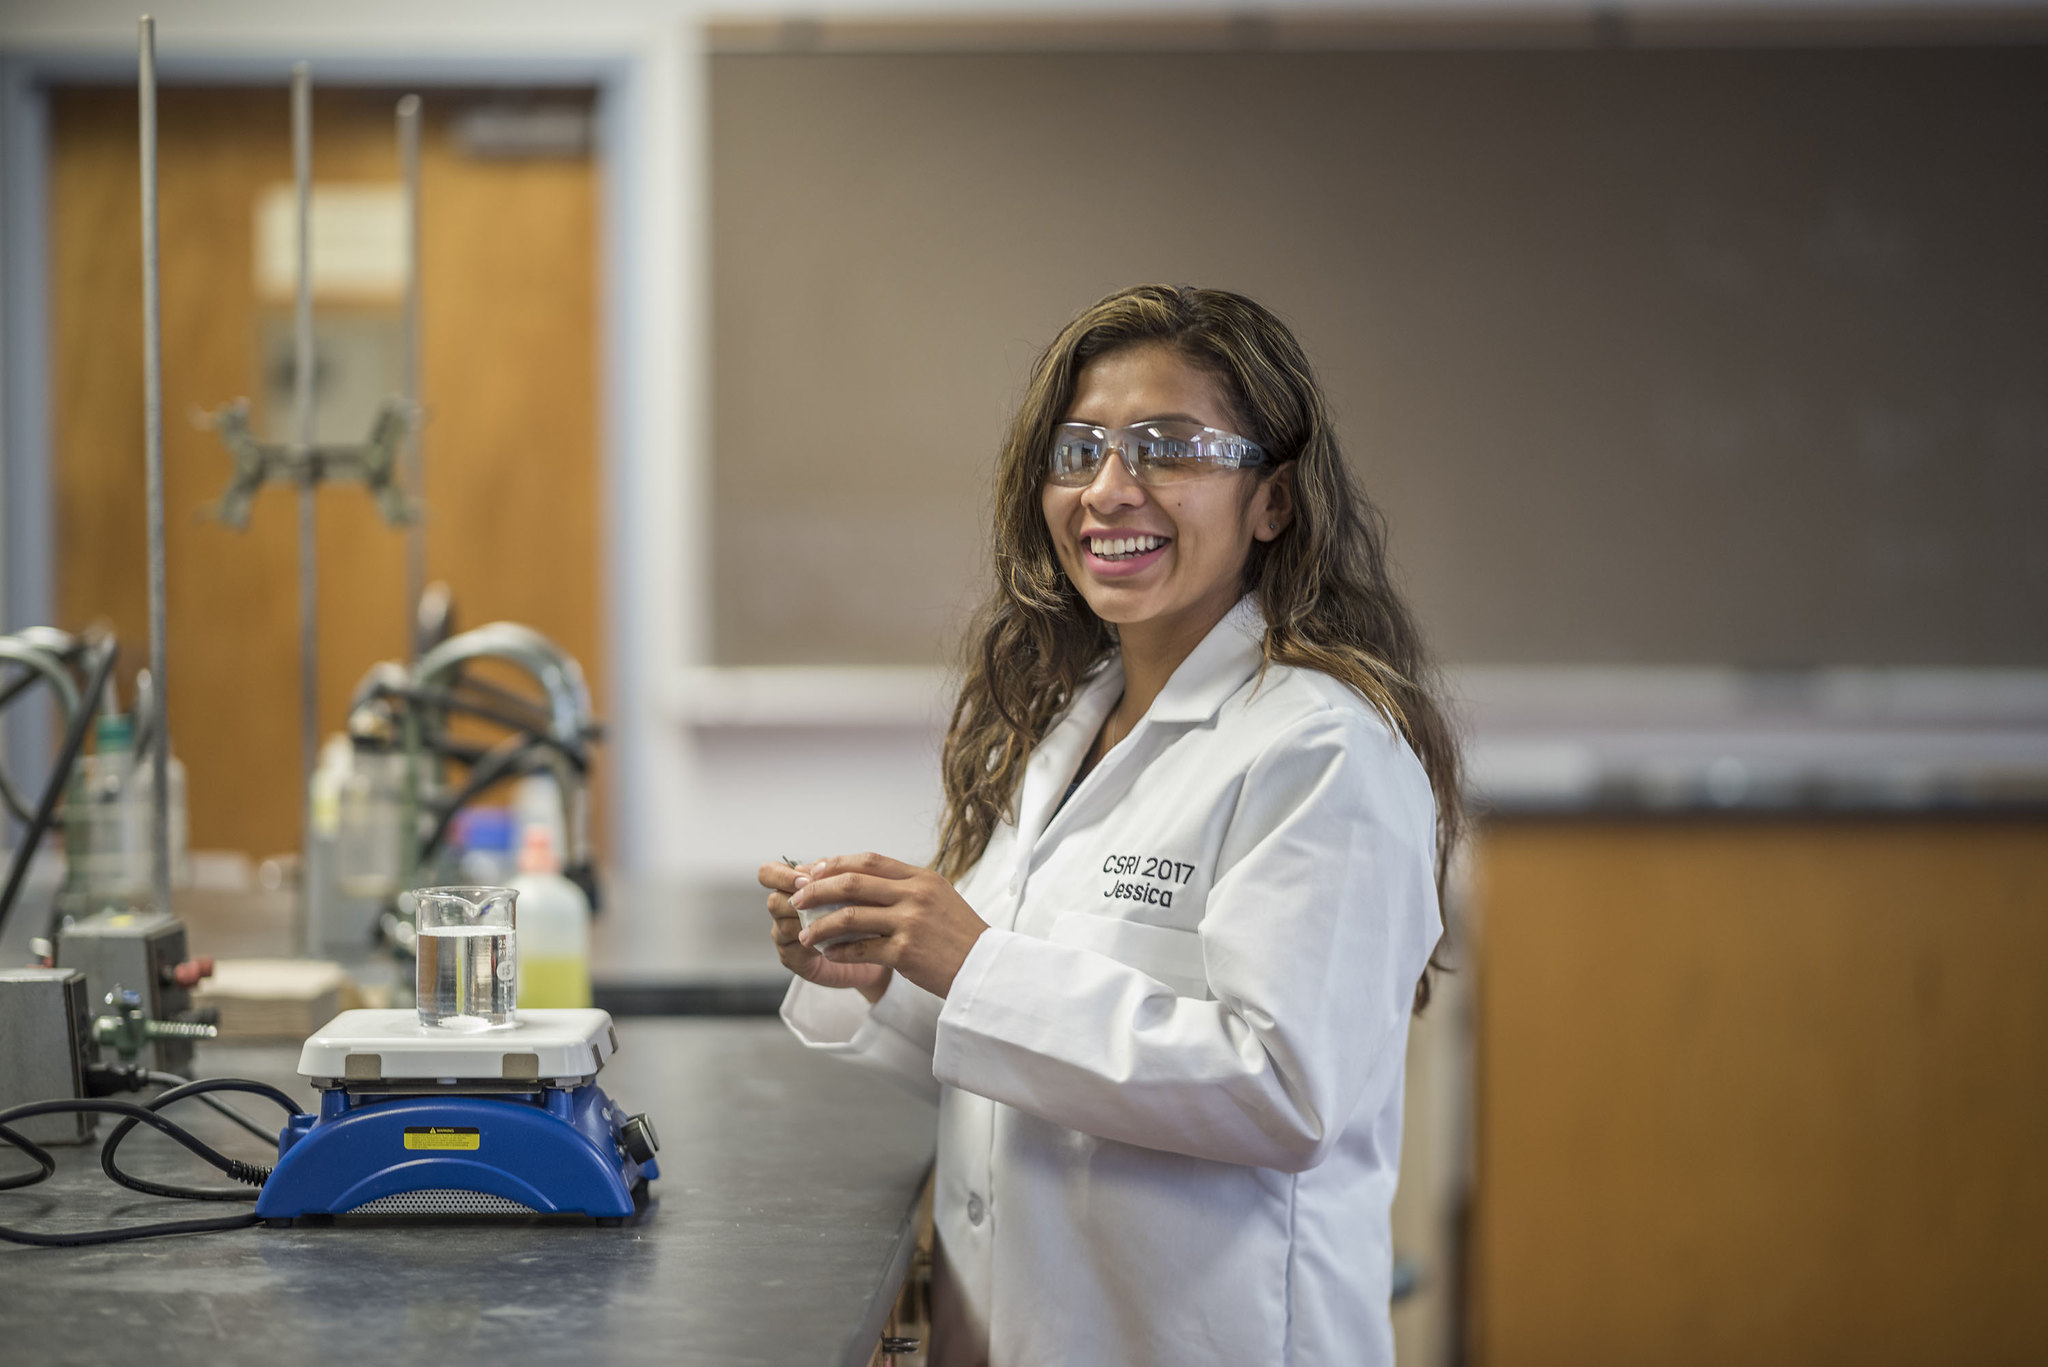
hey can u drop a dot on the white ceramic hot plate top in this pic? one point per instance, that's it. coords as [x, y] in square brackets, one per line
[572, 1042]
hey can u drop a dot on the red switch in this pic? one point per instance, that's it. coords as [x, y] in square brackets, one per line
[189, 973]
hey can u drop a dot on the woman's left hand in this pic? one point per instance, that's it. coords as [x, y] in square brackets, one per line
[924, 927]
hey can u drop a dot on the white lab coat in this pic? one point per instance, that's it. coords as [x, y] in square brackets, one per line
[1169, 1074]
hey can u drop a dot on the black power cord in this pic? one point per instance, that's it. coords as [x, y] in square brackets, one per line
[20, 684]
[252, 1175]
[176, 1080]
[59, 779]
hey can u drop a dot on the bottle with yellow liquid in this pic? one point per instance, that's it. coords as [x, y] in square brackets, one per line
[554, 927]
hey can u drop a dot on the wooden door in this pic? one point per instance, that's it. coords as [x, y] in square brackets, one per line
[509, 380]
[1761, 1092]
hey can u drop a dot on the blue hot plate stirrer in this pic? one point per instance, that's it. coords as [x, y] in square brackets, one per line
[416, 1119]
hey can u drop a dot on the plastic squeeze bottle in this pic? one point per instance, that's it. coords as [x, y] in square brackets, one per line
[554, 927]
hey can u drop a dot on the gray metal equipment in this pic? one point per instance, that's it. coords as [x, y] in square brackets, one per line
[135, 962]
[153, 477]
[374, 463]
[381, 462]
[414, 711]
[46, 1023]
[141, 952]
[559, 744]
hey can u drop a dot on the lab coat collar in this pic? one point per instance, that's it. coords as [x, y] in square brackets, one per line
[1230, 654]
[1053, 764]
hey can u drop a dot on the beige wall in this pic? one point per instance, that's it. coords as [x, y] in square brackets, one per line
[1650, 356]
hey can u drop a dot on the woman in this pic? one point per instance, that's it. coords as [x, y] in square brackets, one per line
[1198, 802]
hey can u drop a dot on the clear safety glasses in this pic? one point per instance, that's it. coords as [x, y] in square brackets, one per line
[1153, 452]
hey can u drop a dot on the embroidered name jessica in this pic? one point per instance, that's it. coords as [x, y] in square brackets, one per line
[1147, 893]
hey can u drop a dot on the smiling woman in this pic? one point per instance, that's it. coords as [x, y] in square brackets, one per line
[1155, 548]
[1198, 794]
[1221, 360]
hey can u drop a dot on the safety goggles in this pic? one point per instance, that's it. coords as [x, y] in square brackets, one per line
[1164, 452]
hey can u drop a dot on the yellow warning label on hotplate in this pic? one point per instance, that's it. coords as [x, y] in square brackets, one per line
[441, 1137]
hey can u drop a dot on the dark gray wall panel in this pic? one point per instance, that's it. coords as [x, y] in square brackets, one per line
[1672, 356]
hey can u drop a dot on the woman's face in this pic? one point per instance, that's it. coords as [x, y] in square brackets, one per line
[1191, 570]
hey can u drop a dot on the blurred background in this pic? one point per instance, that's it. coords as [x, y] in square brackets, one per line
[1696, 353]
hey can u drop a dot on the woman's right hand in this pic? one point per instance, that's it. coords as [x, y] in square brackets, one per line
[870, 980]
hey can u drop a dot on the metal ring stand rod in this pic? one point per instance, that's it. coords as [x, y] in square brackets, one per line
[302, 413]
[153, 458]
[409, 365]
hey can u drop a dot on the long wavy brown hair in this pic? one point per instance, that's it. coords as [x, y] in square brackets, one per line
[1329, 602]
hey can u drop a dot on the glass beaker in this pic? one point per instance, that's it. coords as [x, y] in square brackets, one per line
[468, 975]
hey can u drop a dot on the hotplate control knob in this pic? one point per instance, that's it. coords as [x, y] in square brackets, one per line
[637, 1135]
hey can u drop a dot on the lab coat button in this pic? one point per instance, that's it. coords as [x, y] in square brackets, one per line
[974, 1210]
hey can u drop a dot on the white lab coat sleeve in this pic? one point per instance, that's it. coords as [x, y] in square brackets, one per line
[893, 1037]
[1318, 923]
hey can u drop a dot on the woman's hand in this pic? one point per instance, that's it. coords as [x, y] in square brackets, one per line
[870, 980]
[923, 927]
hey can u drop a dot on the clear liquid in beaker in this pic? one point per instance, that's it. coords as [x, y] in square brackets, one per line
[467, 976]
